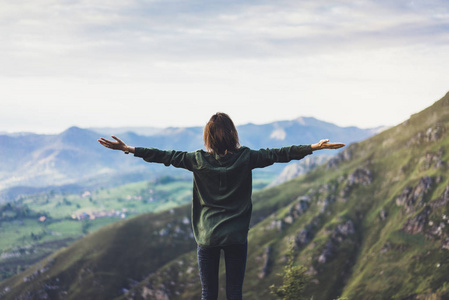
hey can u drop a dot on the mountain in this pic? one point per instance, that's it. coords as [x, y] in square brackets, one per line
[371, 223]
[74, 158]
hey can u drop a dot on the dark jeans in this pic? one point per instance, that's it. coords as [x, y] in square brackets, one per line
[208, 263]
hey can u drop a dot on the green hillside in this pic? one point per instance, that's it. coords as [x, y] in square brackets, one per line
[373, 223]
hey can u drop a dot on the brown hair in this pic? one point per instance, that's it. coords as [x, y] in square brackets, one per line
[220, 135]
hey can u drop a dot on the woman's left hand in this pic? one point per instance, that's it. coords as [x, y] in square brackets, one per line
[324, 144]
[118, 144]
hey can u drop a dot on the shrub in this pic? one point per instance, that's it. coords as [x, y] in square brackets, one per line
[295, 280]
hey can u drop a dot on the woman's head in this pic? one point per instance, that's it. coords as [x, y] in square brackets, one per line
[220, 134]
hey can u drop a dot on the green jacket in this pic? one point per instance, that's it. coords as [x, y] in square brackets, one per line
[222, 187]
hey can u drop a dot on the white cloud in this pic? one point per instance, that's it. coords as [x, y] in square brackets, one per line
[321, 58]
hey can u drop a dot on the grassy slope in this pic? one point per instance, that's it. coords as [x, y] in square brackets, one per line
[377, 259]
[99, 265]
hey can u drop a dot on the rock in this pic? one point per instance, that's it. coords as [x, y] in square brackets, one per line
[438, 230]
[300, 207]
[361, 176]
[327, 253]
[405, 197]
[383, 214]
[344, 193]
[345, 229]
[432, 134]
[344, 155]
[339, 234]
[303, 237]
[434, 159]
[416, 225]
[295, 211]
[412, 196]
[274, 224]
[266, 263]
[288, 220]
[159, 294]
[186, 221]
[445, 244]
[423, 188]
[326, 202]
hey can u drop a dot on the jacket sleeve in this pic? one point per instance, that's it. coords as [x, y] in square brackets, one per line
[266, 157]
[178, 159]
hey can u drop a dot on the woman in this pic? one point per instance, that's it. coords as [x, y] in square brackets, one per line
[222, 187]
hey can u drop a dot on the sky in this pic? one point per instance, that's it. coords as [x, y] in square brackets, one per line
[113, 63]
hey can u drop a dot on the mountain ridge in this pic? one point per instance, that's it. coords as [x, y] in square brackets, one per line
[74, 155]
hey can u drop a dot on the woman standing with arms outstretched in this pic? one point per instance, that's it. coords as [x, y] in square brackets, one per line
[222, 187]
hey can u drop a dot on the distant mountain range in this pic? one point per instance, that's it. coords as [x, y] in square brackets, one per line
[371, 223]
[29, 162]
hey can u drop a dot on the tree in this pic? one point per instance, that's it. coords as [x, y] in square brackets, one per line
[295, 280]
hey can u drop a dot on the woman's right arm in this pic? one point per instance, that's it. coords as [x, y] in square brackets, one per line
[178, 159]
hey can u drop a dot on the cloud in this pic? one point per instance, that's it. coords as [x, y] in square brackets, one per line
[237, 53]
[214, 30]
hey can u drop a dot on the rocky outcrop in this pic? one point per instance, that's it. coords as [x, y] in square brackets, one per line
[432, 160]
[39, 271]
[296, 210]
[300, 207]
[410, 197]
[433, 226]
[325, 202]
[343, 156]
[361, 176]
[327, 196]
[416, 225]
[431, 134]
[327, 253]
[343, 230]
[303, 237]
[338, 235]
[306, 234]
